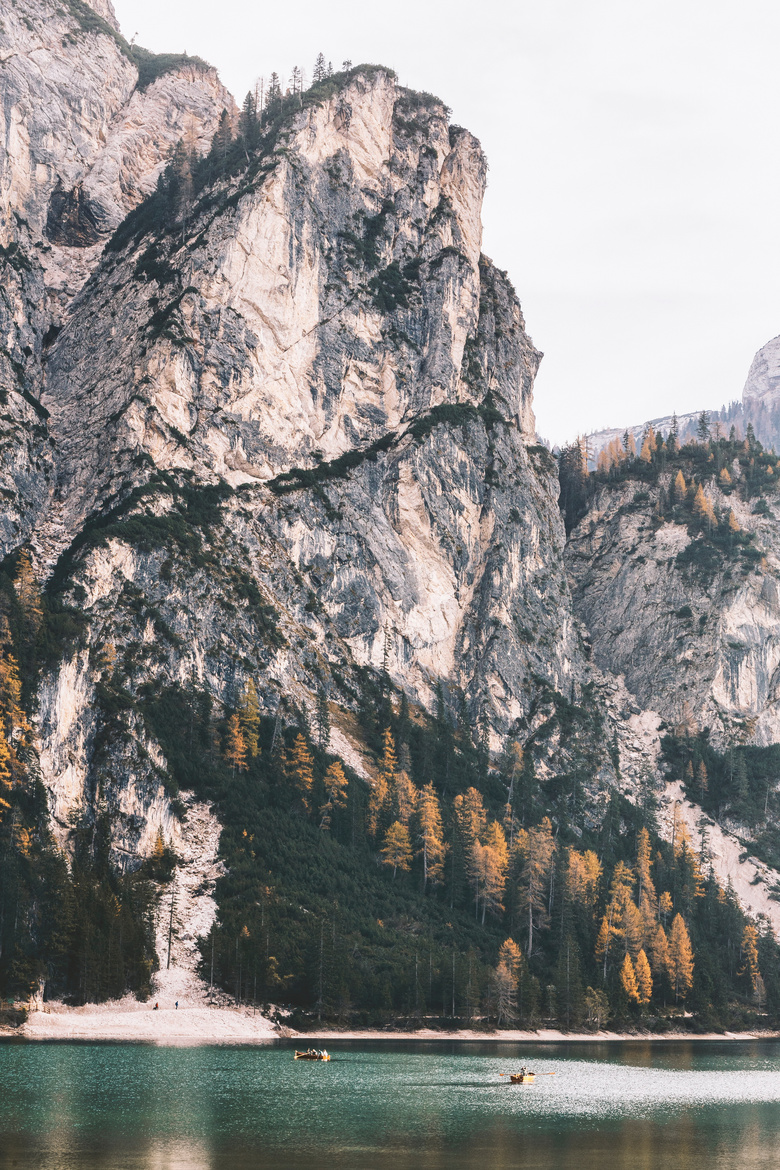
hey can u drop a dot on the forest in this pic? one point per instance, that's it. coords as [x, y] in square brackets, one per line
[450, 886]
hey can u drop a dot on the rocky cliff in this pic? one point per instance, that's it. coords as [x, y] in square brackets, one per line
[87, 123]
[324, 344]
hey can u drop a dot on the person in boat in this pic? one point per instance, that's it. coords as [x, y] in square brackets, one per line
[524, 1071]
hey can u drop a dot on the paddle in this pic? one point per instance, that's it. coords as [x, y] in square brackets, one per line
[552, 1074]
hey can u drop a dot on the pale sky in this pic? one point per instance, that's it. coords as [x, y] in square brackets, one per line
[634, 168]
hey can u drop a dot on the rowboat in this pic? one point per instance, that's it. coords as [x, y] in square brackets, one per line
[313, 1054]
[524, 1077]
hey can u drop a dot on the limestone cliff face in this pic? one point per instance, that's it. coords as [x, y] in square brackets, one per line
[706, 635]
[762, 388]
[324, 340]
[84, 135]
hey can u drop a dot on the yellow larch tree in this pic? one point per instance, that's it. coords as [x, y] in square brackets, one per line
[6, 777]
[749, 950]
[397, 848]
[665, 906]
[300, 770]
[486, 865]
[235, 747]
[509, 953]
[646, 454]
[28, 592]
[430, 836]
[679, 488]
[603, 943]
[681, 962]
[583, 875]
[702, 508]
[383, 783]
[702, 778]
[733, 523]
[628, 983]
[336, 787]
[724, 478]
[470, 816]
[404, 798]
[249, 718]
[644, 978]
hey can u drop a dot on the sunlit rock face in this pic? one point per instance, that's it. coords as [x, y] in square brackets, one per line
[334, 305]
[319, 342]
[82, 143]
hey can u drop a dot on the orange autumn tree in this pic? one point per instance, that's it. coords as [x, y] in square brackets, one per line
[383, 784]
[235, 747]
[300, 769]
[430, 836]
[644, 978]
[487, 863]
[397, 847]
[336, 785]
[628, 983]
[680, 958]
[249, 718]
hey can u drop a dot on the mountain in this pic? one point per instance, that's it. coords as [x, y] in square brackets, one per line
[291, 635]
[759, 407]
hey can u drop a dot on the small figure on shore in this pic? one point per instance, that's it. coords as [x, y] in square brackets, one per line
[156, 1007]
[177, 1005]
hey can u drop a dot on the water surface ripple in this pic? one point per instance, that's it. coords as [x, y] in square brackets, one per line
[638, 1106]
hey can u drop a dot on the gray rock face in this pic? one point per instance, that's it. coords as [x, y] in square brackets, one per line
[82, 143]
[705, 636]
[762, 388]
[319, 335]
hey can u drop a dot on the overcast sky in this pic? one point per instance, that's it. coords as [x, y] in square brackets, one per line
[634, 168]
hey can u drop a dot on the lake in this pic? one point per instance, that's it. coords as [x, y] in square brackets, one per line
[636, 1106]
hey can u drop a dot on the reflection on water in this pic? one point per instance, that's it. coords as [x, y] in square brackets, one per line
[644, 1106]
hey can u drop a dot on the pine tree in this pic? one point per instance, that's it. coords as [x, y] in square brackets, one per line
[749, 951]
[603, 941]
[336, 786]
[300, 768]
[487, 864]
[28, 592]
[628, 983]
[320, 69]
[404, 798]
[397, 848]
[701, 778]
[383, 784]
[583, 876]
[644, 978]
[322, 719]
[249, 718]
[235, 750]
[536, 849]
[703, 427]
[680, 958]
[680, 489]
[249, 123]
[430, 836]
[6, 777]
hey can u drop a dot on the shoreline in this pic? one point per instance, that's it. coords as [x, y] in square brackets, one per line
[130, 1021]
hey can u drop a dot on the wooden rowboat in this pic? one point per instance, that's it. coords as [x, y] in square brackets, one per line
[313, 1054]
[524, 1077]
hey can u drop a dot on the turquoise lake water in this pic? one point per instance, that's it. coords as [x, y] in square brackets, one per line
[637, 1106]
